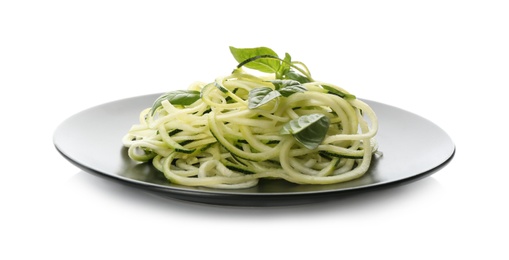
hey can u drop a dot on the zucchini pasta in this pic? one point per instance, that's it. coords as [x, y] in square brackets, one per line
[238, 129]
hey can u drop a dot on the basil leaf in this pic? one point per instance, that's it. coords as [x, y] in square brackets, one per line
[177, 97]
[285, 66]
[261, 58]
[292, 89]
[261, 96]
[281, 83]
[336, 92]
[309, 130]
[291, 74]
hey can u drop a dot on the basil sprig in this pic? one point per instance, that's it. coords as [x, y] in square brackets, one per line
[266, 60]
[288, 87]
[177, 97]
[309, 130]
[262, 58]
[263, 95]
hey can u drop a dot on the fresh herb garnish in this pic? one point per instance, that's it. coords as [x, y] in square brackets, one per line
[263, 95]
[289, 87]
[309, 130]
[177, 97]
[262, 58]
[266, 60]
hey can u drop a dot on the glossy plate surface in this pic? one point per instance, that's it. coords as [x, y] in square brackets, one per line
[412, 147]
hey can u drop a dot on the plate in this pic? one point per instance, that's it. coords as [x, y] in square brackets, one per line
[413, 147]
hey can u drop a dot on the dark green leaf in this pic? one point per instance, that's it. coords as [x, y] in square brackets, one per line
[281, 83]
[292, 89]
[309, 130]
[261, 58]
[177, 97]
[291, 74]
[261, 96]
[285, 66]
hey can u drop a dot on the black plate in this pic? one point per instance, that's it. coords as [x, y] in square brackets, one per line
[412, 147]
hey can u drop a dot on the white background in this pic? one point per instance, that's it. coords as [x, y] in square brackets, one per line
[447, 61]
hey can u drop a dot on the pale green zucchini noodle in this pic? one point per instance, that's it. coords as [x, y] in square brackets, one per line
[219, 142]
